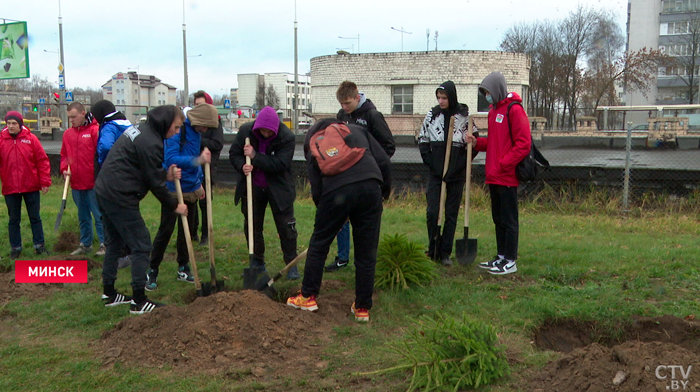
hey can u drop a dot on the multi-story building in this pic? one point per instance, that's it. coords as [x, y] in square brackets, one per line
[674, 27]
[282, 83]
[134, 94]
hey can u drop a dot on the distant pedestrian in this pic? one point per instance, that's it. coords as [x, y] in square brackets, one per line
[356, 108]
[212, 139]
[432, 142]
[271, 151]
[78, 150]
[507, 144]
[355, 195]
[134, 166]
[24, 171]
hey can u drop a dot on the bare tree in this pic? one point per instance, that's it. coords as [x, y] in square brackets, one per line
[260, 96]
[271, 97]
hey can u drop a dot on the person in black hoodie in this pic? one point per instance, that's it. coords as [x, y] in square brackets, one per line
[133, 167]
[432, 145]
[356, 195]
[357, 109]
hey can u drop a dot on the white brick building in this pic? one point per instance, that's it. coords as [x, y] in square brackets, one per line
[402, 84]
[134, 93]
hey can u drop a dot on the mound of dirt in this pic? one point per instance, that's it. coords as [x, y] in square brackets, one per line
[230, 331]
[645, 367]
[9, 290]
[67, 241]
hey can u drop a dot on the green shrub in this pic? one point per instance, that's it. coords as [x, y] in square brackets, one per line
[401, 262]
[445, 354]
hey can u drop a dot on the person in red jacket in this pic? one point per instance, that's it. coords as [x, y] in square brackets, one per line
[24, 171]
[78, 161]
[507, 144]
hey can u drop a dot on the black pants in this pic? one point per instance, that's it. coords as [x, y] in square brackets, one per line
[454, 198]
[32, 201]
[362, 203]
[284, 220]
[165, 231]
[124, 227]
[504, 211]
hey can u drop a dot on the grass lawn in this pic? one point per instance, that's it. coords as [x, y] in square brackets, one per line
[579, 258]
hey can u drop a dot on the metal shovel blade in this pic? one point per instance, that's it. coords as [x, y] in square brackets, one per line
[466, 249]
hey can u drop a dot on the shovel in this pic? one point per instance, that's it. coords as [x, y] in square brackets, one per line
[251, 273]
[465, 248]
[188, 239]
[443, 191]
[264, 282]
[63, 202]
[216, 285]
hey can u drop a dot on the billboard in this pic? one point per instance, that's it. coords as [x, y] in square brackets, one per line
[14, 54]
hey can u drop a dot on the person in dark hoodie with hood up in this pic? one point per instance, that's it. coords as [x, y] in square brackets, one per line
[271, 151]
[507, 144]
[358, 109]
[432, 145]
[134, 167]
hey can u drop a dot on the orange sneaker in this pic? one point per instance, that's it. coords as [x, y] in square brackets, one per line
[361, 315]
[300, 302]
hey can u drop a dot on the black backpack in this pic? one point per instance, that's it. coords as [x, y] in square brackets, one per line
[528, 168]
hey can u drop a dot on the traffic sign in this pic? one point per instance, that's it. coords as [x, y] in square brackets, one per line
[42, 100]
[61, 82]
[60, 68]
[227, 104]
[69, 96]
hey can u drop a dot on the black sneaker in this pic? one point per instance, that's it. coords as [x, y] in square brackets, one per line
[15, 253]
[204, 241]
[447, 262]
[336, 265]
[152, 283]
[489, 264]
[41, 250]
[116, 299]
[146, 306]
[503, 267]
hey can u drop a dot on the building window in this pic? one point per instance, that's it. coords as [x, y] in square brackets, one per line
[402, 100]
[136, 101]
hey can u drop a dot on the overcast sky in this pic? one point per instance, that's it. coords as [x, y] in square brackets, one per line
[102, 38]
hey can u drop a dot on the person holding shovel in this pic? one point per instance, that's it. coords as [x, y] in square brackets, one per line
[183, 150]
[432, 142]
[354, 194]
[507, 144]
[271, 150]
[134, 166]
[78, 151]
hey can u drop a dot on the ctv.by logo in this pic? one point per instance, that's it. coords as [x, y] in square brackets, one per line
[674, 383]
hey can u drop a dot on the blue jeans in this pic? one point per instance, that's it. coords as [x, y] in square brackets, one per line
[343, 240]
[86, 201]
[32, 201]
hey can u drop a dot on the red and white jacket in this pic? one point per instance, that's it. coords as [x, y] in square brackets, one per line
[503, 153]
[24, 166]
[78, 151]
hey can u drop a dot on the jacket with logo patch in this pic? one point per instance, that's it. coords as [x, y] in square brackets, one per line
[372, 119]
[24, 166]
[78, 151]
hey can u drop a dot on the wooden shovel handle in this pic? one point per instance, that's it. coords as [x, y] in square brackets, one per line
[249, 200]
[467, 186]
[210, 217]
[188, 239]
[445, 168]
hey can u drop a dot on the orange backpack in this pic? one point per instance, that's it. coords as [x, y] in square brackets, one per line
[333, 155]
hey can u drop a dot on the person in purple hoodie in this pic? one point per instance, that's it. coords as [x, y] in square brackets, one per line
[271, 151]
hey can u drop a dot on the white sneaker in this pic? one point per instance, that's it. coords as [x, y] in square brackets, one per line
[503, 267]
[82, 249]
[101, 251]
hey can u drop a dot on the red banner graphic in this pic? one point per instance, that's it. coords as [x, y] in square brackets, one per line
[51, 271]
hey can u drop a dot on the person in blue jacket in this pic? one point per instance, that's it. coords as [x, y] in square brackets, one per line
[112, 124]
[183, 150]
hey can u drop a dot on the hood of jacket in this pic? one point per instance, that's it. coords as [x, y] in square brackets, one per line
[495, 83]
[161, 118]
[364, 106]
[450, 90]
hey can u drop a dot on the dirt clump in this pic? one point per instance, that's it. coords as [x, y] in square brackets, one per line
[67, 241]
[645, 367]
[229, 332]
[10, 290]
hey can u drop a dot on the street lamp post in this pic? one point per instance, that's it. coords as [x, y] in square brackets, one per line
[186, 101]
[61, 71]
[402, 31]
[138, 88]
[295, 99]
[357, 38]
